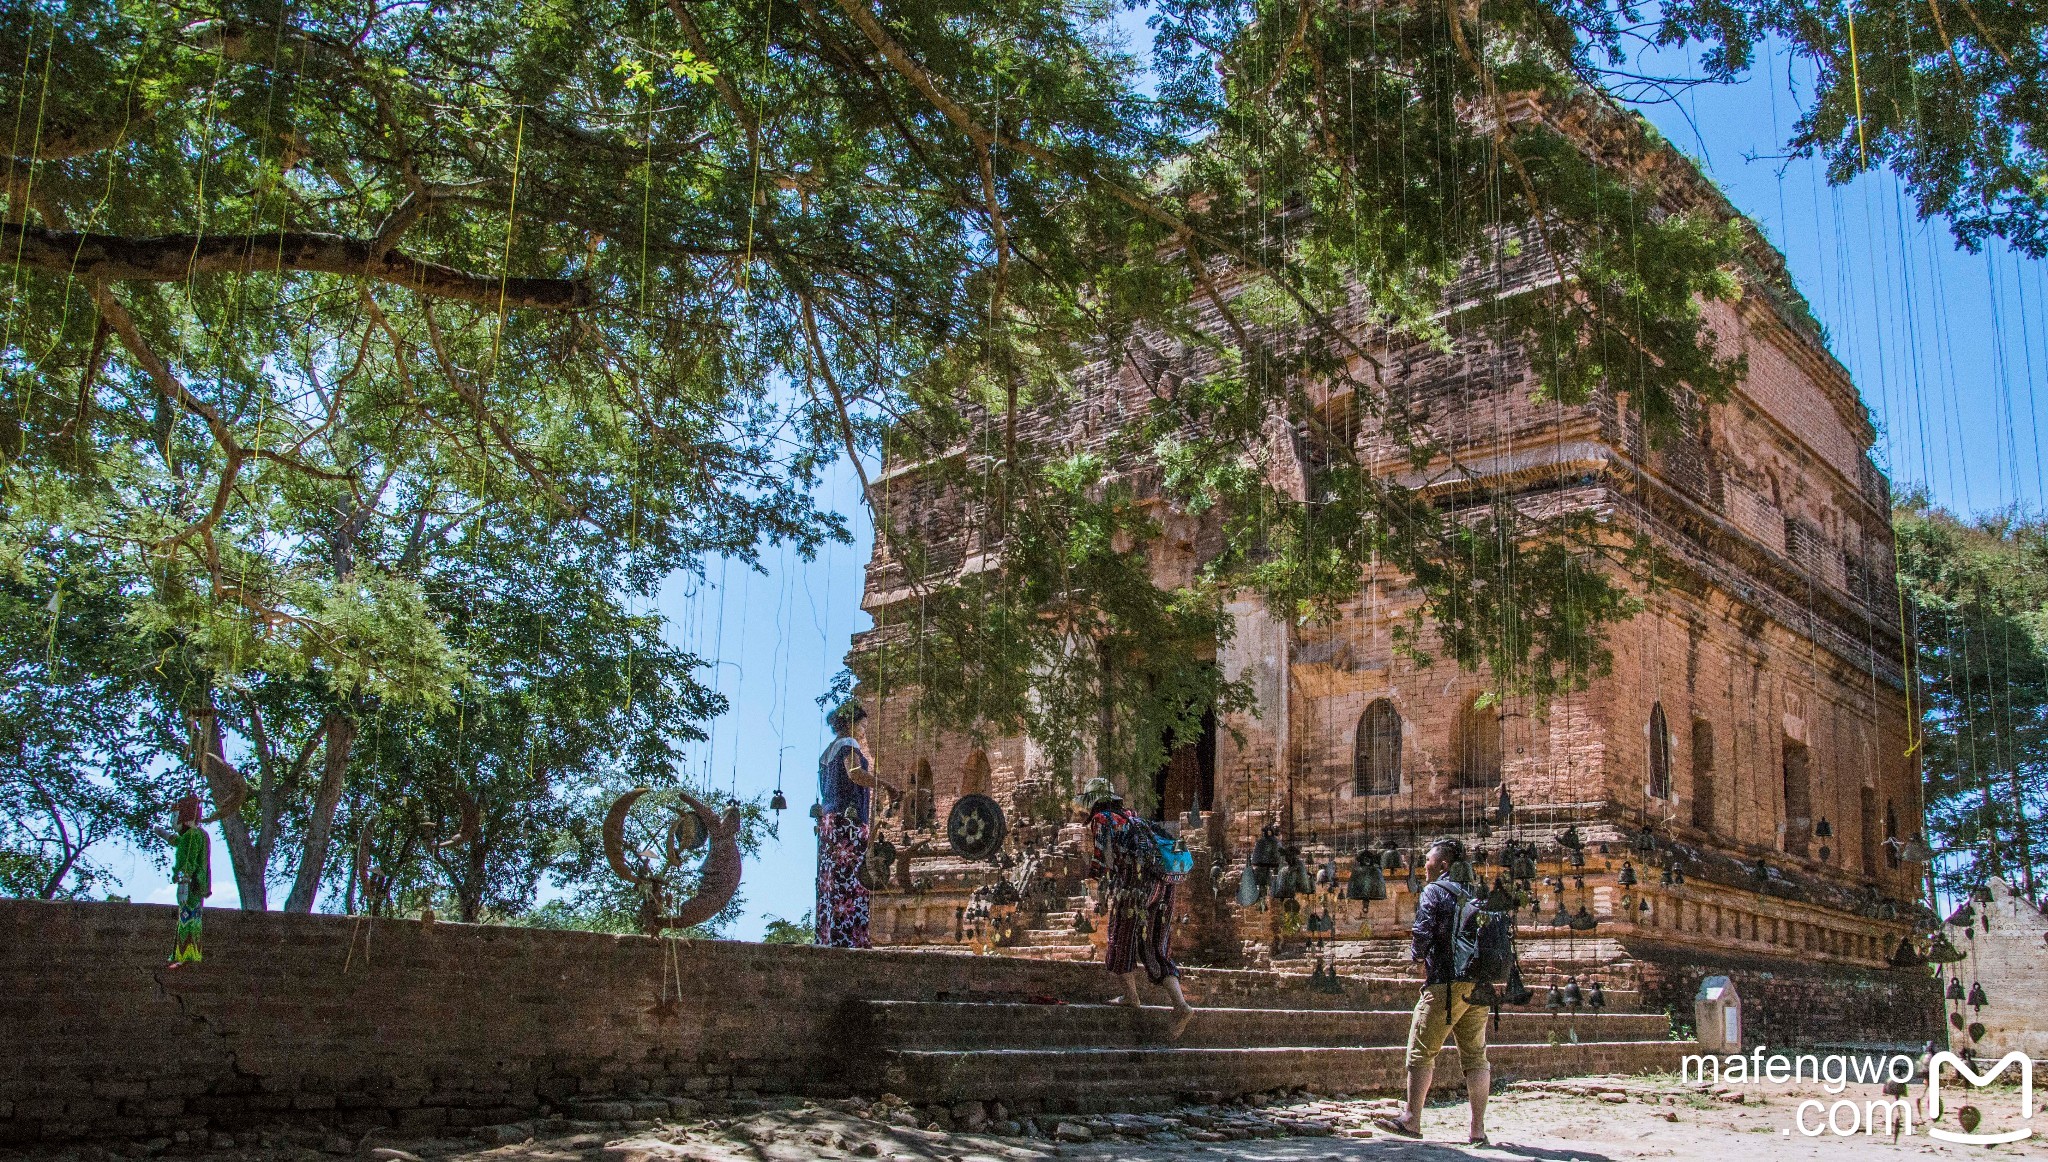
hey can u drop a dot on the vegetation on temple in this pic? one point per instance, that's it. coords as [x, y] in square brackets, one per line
[1977, 593]
[348, 345]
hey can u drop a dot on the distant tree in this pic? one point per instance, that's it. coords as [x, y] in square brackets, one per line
[1978, 596]
[780, 931]
[76, 735]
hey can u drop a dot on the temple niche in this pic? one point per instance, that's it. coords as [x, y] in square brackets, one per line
[1740, 781]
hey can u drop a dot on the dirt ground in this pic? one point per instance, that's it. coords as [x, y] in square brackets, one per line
[1580, 1120]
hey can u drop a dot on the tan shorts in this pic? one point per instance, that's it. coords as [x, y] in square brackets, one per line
[1446, 1010]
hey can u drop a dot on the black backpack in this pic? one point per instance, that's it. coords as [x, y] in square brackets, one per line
[1482, 942]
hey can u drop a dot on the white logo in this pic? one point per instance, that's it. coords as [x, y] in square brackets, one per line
[1980, 1080]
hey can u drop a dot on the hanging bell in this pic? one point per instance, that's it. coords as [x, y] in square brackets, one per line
[1252, 884]
[1963, 917]
[1603, 849]
[1569, 839]
[1516, 992]
[1955, 989]
[1367, 883]
[1596, 997]
[1577, 856]
[1823, 829]
[1942, 950]
[779, 802]
[1574, 996]
[1553, 999]
[1505, 809]
[1560, 918]
[1628, 875]
[1461, 873]
[1678, 874]
[1390, 859]
[1643, 904]
[1981, 893]
[1977, 998]
[1484, 830]
[1501, 899]
[1266, 852]
[1669, 876]
[1525, 865]
[1583, 921]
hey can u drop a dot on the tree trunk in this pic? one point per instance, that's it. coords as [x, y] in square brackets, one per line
[210, 752]
[341, 736]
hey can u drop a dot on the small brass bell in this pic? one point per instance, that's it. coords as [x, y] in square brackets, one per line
[1390, 859]
[1569, 839]
[1560, 918]
[1955, 989]
[1942, 950]
[1823, 829]
[1553, 999]
[779, 802]
[1977, 998]
[1505, 809]
[1573, 995]
[1583, 921]
[1628, 875]
[1266, 852]
[1596, 997]
[1577, 856]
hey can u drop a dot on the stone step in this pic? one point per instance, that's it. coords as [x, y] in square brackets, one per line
[1093, 1078]
[922, 1026]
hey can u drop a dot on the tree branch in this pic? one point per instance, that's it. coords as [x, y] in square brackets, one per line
[176, 257]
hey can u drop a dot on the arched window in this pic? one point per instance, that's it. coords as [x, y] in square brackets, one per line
[974, 776]
[1475, 745]
[1660, 754]
[1376, 762]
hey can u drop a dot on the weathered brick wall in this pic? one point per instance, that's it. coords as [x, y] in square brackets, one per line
[373, 1022]
[2010, 959]
[1789, 1003]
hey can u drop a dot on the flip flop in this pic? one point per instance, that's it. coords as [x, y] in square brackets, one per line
[1393, 1126]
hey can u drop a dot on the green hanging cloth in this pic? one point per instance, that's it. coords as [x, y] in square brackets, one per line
[192, 871]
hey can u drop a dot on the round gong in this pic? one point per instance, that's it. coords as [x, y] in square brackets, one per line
[976, 828]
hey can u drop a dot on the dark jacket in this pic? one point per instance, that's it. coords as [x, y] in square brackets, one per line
[1436, 922]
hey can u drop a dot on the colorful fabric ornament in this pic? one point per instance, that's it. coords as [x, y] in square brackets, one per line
[192, 872]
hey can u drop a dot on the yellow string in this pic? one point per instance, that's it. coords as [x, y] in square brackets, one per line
[511, 218]
[1856, 87]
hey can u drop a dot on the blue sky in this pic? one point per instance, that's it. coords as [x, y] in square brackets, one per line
[1947, 348]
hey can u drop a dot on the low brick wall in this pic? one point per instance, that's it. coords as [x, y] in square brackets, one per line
[388, 1021]
[1792, 1005]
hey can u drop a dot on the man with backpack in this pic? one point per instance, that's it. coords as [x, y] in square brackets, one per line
[1459, 944]
[1136, 869]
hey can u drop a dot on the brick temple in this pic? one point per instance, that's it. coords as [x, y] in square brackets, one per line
[1755, 723]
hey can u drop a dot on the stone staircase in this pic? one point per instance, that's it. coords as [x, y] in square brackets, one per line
[1063, 1058]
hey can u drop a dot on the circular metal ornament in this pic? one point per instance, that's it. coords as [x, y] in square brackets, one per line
[976, 828]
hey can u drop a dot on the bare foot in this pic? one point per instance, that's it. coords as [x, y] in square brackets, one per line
[1181, 1017]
